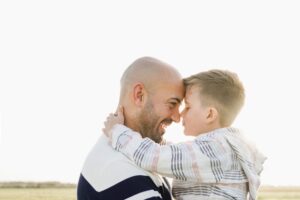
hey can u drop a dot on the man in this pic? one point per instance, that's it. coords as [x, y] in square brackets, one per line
[151, 92]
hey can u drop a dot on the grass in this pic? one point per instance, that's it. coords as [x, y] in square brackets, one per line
[279, 193]
[279, 196]
[267, 193]
[37, 193]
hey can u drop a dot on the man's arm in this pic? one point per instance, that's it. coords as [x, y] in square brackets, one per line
[201, 161]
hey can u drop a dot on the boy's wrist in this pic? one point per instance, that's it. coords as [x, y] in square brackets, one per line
[116, 131]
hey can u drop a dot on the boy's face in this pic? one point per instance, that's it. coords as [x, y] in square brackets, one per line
[194, 116]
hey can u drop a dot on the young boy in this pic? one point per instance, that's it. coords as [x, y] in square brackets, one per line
[219, 163]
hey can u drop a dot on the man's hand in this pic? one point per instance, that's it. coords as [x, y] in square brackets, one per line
[113, 119]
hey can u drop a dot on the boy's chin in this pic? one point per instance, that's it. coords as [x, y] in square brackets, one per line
[188, 133]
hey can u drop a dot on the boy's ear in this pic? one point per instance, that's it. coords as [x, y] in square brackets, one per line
[139, 94]
[212, 114]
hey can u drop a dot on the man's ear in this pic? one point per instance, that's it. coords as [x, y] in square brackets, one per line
[139, 94]
[212, 114]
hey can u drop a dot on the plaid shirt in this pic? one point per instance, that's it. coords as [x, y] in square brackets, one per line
[215, 165]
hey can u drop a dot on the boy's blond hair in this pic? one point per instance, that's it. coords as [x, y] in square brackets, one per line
[221, 89]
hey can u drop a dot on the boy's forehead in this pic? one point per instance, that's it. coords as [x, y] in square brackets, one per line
[187, 99]
[194, 89]
[191, 91]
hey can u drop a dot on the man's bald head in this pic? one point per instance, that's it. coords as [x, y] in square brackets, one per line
[151, 92]
[149, 71]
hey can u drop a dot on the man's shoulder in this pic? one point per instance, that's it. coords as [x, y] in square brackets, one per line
[105, 167]
[103, 159]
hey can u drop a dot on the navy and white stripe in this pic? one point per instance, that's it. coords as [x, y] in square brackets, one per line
[109, 175]
[137, 187]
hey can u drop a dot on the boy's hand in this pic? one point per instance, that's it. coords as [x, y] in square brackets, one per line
[113, 119]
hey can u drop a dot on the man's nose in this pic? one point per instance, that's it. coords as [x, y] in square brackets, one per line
[176, 117]
[181, 113]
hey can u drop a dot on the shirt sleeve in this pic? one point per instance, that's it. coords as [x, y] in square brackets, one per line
[198, 160]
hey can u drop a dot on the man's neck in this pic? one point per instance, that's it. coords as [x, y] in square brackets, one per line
[132, 125]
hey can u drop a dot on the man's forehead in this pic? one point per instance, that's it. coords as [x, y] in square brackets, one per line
[171, 92]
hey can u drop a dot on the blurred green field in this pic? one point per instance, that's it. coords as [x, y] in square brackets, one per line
[70, 194]
[279, 196]
[37, 193]
[279, 193]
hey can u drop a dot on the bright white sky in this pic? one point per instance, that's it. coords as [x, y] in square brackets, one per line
[60, 64]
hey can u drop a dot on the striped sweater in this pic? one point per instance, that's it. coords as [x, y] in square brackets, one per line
[109, 175]
[217, 165]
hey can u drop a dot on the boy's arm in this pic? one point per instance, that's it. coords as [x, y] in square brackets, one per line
[195, 160]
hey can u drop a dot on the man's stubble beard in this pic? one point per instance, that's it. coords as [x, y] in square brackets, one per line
[148, 121]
